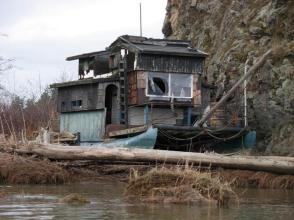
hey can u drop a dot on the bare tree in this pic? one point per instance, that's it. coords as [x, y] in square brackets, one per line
[5, 63]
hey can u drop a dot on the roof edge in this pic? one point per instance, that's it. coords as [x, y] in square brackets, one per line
[87, 55]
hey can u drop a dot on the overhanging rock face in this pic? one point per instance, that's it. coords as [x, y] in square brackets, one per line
[233, 31]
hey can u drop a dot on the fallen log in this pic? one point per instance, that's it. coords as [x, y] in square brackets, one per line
[257, 163]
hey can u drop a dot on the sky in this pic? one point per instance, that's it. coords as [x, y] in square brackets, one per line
[40, 34]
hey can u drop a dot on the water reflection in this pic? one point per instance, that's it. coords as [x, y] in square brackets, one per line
[41, 202]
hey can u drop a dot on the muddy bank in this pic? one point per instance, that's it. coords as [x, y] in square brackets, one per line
[237, 178]
[15, 169]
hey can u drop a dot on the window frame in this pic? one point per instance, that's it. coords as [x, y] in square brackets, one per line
[78, 103]
[169, 86]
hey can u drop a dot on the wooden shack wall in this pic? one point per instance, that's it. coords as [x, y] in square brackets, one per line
[87, 93]
[101, 64]
[92, 96]
[138, 115]
[137, 89]
[101, 93]
[171, 64]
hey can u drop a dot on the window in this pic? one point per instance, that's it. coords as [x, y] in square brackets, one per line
[158, 84]
[181, 85]
[76, 103]
[169, 85]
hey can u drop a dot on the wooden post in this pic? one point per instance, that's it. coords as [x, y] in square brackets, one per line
[146, 115]
[226, 96]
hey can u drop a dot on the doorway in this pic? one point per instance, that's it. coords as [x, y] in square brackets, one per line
[111, 104]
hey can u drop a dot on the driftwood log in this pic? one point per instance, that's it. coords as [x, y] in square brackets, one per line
[282, 165]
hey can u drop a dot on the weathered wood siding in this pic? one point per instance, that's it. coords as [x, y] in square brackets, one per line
[90, 124]
[155, 115]
[171, 64]
[101, 93]
[88, 94]
[91, 95]
[115, 112]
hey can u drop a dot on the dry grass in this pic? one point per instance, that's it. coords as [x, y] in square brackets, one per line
[26, 170]
[179, 185]
[246, 178]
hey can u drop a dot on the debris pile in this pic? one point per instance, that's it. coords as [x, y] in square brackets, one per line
[179, 185]
[46, 137]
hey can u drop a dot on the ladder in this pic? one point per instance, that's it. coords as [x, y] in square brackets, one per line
[123, 93]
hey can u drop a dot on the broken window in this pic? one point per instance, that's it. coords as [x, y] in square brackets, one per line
[170, 85]
[158, 84]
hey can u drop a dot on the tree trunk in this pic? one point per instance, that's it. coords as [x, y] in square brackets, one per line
[258, 163]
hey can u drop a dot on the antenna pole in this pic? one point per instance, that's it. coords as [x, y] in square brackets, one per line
[140, 19]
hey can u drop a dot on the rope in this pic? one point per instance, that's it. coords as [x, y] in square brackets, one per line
[228, 138]
[180, 139]
[204, 131]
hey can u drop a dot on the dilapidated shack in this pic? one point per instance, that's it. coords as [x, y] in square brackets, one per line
[135, 82]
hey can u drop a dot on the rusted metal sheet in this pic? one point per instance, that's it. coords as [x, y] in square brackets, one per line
[90, 124]
[133, 90]
[127, 131]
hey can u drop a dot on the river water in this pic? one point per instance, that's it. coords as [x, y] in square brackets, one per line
[106, 196]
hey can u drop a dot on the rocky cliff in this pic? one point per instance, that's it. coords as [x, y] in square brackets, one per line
[232, 31]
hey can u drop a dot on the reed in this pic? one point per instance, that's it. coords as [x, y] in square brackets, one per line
[27, 170]
[179, 185]
[252, 179]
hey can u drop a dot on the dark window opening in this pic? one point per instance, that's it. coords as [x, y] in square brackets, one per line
[76, 103]
[158, 84]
